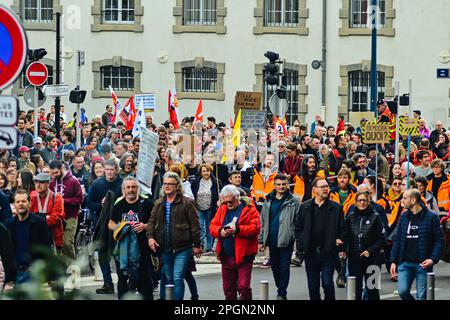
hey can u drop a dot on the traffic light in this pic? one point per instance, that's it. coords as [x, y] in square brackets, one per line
[36, 54]
[272, 69]
[404, 100]
[77, 96]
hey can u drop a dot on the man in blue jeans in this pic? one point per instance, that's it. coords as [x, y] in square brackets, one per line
[319, 228]
[277, 218]
[173, 230]
[417, 246]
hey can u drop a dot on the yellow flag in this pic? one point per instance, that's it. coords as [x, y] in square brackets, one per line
[237, 130]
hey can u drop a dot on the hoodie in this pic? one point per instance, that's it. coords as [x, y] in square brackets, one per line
[70, 189]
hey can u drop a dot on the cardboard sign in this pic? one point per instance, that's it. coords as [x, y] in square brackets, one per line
[253, 119]
[247, 100]
[409, 126]
[376, 133]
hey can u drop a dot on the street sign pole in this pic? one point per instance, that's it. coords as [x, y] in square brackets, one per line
[78, 118]
[58, 74]
[36, 106]
[373, 70]
[397, 117]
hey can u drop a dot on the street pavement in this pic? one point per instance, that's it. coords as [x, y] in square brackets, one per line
[209, 283]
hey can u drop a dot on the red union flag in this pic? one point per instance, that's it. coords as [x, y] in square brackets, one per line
[173, 104]
[199, 113]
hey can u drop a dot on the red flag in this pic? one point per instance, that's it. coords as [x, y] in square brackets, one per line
[172, 113]
[131, 115]
[123, 115]
[199, 113]
[231, 123]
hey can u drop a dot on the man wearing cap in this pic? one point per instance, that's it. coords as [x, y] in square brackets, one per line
[38, 146]
[107, 151]
[49, 205]
[24, 160]
[48, 153]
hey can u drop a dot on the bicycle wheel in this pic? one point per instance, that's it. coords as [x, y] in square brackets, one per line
[80, 248]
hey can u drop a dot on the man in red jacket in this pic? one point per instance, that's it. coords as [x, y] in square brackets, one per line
[65, 184]
[292, 163]
[50, 206]
[237, 226]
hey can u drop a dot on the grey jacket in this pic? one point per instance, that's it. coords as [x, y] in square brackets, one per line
[289, 210]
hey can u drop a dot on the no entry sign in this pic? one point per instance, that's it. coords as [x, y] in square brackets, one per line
[37, 73]
[13, 47]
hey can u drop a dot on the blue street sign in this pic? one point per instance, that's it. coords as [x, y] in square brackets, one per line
[443, 73]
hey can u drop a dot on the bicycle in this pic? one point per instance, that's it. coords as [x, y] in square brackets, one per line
[84, 239]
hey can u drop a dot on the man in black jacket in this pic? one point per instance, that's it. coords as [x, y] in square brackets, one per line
[29, 233]
[95, 201]
[319, 228]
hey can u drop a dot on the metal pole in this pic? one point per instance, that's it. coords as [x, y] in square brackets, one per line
[36, 106]
[373, 68]
[264, 289]
[324, 57]
[410, 113]
[397, 134]
[58, 74]
[78, 118]
[430, 286]
[407, 165]
[351, 288]
[169, 291]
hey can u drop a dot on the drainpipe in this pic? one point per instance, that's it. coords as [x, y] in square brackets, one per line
[324, 58]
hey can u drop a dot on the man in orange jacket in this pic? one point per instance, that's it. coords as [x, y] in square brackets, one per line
[237, 226]
[439, 184]
[344, 193]
[49, 205]
[263, 181]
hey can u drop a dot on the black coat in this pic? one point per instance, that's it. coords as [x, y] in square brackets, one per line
[214, 192]
[364, 231]
[39, 236]
[7, 255]
[303, 226]
[102, 234]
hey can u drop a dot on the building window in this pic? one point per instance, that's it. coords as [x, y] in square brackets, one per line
[199, 79]
[281, 13]
[199, 12]
[118, 11]
[358, 13]
[359, 86]
[119, 78]
[25, 83]
[38, 11]
[290, 80]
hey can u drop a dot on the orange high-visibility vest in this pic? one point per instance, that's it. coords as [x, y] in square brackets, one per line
[299, 185]
[351, 200]
[443, 196]
[260, 189]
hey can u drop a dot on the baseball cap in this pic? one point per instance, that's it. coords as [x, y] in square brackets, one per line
[42, 177]
[37, 140]
[24, 149]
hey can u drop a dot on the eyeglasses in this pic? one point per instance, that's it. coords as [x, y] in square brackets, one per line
[362, 200]
[228, 202]
[397, 184]
[169, 184]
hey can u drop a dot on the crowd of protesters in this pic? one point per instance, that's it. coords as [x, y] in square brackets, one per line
[317, 196]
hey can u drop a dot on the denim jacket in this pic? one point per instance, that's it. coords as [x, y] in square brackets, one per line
[127, 250]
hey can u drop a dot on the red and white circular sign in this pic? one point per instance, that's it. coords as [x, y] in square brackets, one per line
[37, 73]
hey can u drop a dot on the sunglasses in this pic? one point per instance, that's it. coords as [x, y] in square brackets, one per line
[169, 184]
[363, 200]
